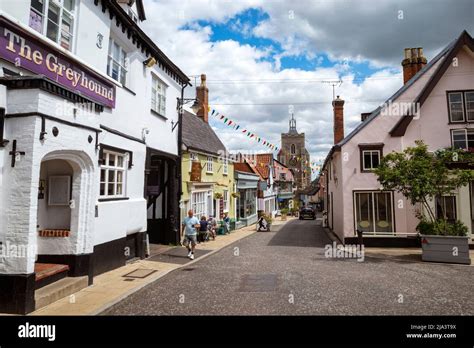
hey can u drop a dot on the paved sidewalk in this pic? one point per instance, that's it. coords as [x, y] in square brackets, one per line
[395, 254]
[112, 287]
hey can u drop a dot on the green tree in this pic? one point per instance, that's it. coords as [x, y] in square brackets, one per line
[420, 175]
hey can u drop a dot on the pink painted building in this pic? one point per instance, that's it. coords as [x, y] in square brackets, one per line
[442, 92]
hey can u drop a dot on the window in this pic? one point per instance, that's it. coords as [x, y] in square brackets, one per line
[225, 166]
[225, 199]
[370, 155]
[112, 174]
[373, 212]
[446, 208]
[282, 177]
[463, 139]
[192, 158]
[158, 96]
[117, 62]
[370, 159]
[456, 110]
[461, 106]
[469, 98]
[293, 149]
[247, 203]
[209, 164]
[55, 19]
[198, 203]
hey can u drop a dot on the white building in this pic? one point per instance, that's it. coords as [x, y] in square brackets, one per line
[87, 150]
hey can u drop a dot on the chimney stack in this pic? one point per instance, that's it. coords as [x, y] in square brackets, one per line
[413, 62]
[338, 105]
[202, 95]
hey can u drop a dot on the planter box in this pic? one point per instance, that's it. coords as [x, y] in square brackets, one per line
[441, 249]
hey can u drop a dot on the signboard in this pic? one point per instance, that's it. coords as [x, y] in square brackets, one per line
[196, 171]
[221, 208]
[25, 51]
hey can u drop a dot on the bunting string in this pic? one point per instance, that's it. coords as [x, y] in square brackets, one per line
[237, 127]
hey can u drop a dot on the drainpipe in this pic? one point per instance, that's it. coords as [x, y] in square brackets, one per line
[3, 141]
[180, 157]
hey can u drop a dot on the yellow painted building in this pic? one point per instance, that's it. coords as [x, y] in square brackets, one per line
[208, 177]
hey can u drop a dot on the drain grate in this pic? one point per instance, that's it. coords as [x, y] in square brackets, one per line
[140, 273]
[258, 283]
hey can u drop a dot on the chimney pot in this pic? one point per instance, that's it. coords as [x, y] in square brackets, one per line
[413, 62]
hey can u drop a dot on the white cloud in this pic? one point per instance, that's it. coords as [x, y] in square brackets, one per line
[361, 34]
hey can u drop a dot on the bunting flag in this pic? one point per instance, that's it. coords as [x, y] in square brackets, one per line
[230, 122]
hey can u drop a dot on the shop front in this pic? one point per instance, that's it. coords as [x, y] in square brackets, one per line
[247, 189]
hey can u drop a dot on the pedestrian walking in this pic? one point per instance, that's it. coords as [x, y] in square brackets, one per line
[226, 220]
[190, 226]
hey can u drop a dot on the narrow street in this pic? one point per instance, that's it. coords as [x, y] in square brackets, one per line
[285, 272]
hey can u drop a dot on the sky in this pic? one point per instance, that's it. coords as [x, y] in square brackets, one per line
[267, 58]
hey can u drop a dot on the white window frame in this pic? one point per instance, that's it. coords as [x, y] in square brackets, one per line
[122, 62]
[225, 200]
[462, 107]
[192, 158]
[469, 110]
[465, 132]
[116, 169]
[158, 99]
[364, 167]
[225, 166]
[210, 164]
[198, 205]
[293, 149]
[63, 12]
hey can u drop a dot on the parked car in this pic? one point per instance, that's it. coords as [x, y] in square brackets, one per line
[307, 213]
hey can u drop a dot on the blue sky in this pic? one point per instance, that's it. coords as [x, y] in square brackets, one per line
[240, 28]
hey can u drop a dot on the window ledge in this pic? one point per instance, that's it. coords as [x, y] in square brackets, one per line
[112, 199]
[158, 114]
[128, 90]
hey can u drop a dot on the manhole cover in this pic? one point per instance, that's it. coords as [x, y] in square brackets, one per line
[258, 283]
[140, 273]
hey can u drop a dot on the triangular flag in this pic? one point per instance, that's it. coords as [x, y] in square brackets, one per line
[222, 116]
[225, 120]
[237, 127]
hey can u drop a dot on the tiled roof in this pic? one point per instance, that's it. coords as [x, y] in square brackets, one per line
[198, 135]
[263, 163]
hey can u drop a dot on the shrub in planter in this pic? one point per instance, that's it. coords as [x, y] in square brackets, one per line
[284, 213]
[442, 241]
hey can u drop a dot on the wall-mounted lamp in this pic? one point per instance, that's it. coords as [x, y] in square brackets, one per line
[149, 62]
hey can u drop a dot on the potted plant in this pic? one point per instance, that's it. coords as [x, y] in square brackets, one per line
[442, 241]
[420, 176]
[217, 195]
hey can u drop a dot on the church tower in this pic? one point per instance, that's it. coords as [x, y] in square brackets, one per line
[294, 155]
